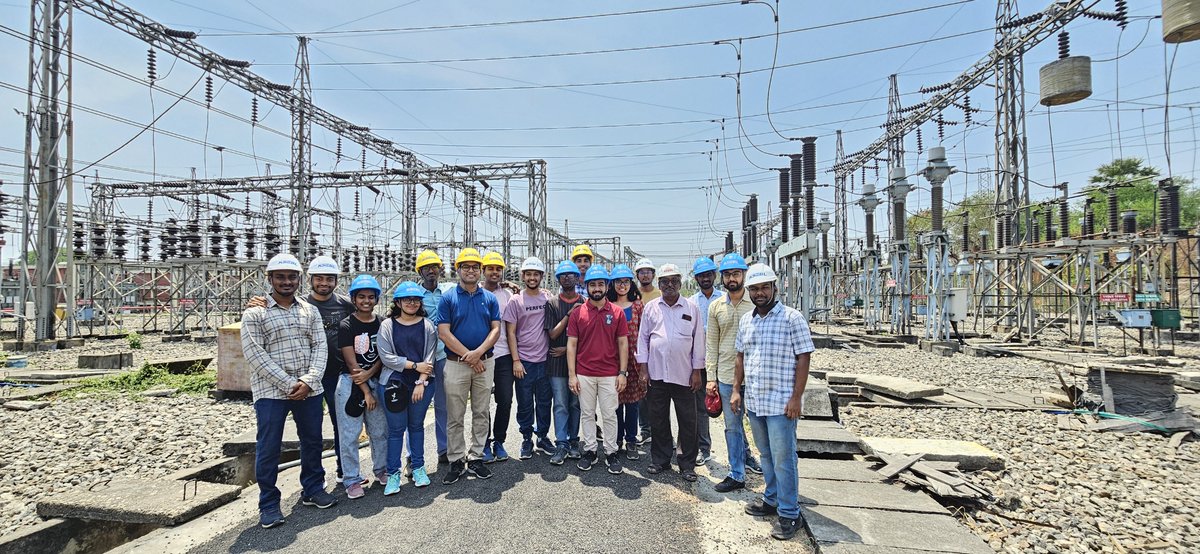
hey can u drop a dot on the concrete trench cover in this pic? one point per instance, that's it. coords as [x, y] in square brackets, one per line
[155, 501]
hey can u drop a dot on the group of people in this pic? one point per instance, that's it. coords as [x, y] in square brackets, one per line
[613, 353]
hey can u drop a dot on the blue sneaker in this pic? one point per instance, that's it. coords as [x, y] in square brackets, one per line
[393, 484]
[753, 466]
[526, 449]
[321, 500]
[560, 454]
[488, 457]
[499, 451]
[273, 518]
[420, 478]
[546, 445]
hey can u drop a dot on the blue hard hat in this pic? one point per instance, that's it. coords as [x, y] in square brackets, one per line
[621, 271]
[408, 289]
[566, 266]
[596, 272]
[703, 265]
[364, 282]
[733, 260]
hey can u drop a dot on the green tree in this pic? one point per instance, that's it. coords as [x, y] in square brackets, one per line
[979, 209]
[1137, 187]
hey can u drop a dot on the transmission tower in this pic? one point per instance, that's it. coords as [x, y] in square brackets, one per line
[301, 151]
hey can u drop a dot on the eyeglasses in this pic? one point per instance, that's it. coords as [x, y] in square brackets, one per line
[466, 267]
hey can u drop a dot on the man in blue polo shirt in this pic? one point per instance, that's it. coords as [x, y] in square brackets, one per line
[469, 325]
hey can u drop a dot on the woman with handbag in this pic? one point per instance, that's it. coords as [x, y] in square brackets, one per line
[625, 295]
[406, 345]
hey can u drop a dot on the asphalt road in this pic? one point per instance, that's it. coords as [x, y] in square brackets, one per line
[527, 506]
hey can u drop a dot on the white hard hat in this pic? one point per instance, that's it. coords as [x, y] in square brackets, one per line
[644, 263]
[323, 265]
[284, 262]
[533, 264]
[759, 274]
[669, 270]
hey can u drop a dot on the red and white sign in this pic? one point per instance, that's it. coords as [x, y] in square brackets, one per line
[920, 297]
[1114, 297]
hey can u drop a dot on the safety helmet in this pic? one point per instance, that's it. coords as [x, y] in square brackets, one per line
[596, 272]
[283, 262]
[759, 274]
[644, 263]
[582, 250]
[669, 270]
[532, 263]
[323, 265]
[427, 257]
[733, 260]
[468, 255]
[493, 258]
[703, 265]
[364, 282]
[566, 266]
[408, 289]
[620, 271]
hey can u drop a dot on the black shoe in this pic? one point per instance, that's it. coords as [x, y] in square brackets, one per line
[480, 471]
[729, 484]
[689, 475]
[758, 508]
[614, 463]
[655, 468]
[587, 460]
[785, 528]
[457, 471]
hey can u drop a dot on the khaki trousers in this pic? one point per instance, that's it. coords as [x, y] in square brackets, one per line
[461, 383]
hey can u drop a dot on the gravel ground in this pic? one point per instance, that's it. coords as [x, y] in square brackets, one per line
[996, 374]
[74, 443]
[152, 349]
[1076, 491]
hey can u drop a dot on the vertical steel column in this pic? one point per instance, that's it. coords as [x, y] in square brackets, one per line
[301, 177]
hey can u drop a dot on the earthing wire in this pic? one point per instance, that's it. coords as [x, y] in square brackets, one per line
[1112, 146]
[1145, 137]
[771, 75]
[1167, 69]
[1117, 90]
[1050, 132]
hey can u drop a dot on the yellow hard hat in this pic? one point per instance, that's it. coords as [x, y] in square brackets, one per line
[493, 258]
[427, 257]
[468, 255]
[582, 250]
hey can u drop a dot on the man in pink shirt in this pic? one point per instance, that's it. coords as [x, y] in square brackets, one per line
[671, 351]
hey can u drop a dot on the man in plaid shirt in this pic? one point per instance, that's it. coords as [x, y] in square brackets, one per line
[773, 347]
[284, 343]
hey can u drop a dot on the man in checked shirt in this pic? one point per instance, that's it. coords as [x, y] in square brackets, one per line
[284, 343]
[773, 348]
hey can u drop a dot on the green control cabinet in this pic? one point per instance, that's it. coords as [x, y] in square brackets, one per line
[1165, 319]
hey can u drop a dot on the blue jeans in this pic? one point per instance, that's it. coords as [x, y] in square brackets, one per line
[271, 415]
[627, 423]
[534, 400]
[329, 382]
[776, 439]
[351, 427]
[439, 406]
[566, 412]
[410, 420]
[735, 435]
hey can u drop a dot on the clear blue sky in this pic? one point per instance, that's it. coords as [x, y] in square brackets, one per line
[650, 162]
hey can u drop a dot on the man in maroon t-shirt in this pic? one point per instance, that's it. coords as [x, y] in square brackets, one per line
[597, 351]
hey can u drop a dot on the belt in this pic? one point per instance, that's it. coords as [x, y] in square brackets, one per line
[456, 358]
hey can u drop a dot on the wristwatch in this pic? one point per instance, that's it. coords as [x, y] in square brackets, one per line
[422, 382]
[623, 373]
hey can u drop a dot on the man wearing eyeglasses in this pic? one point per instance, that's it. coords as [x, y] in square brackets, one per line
[469, 325]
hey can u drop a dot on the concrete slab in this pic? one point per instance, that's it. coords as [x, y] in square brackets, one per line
[26, 405]
[836, 525]
[836, 378]
[157, 501]
[970, 456]
[837, 470]
[182, 365]
[243, 444]
[898, 387]
[825, 437]
[882, 496]
[114, 360]
[816, 402]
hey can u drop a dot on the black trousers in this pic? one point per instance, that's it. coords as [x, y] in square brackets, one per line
[659, 400]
